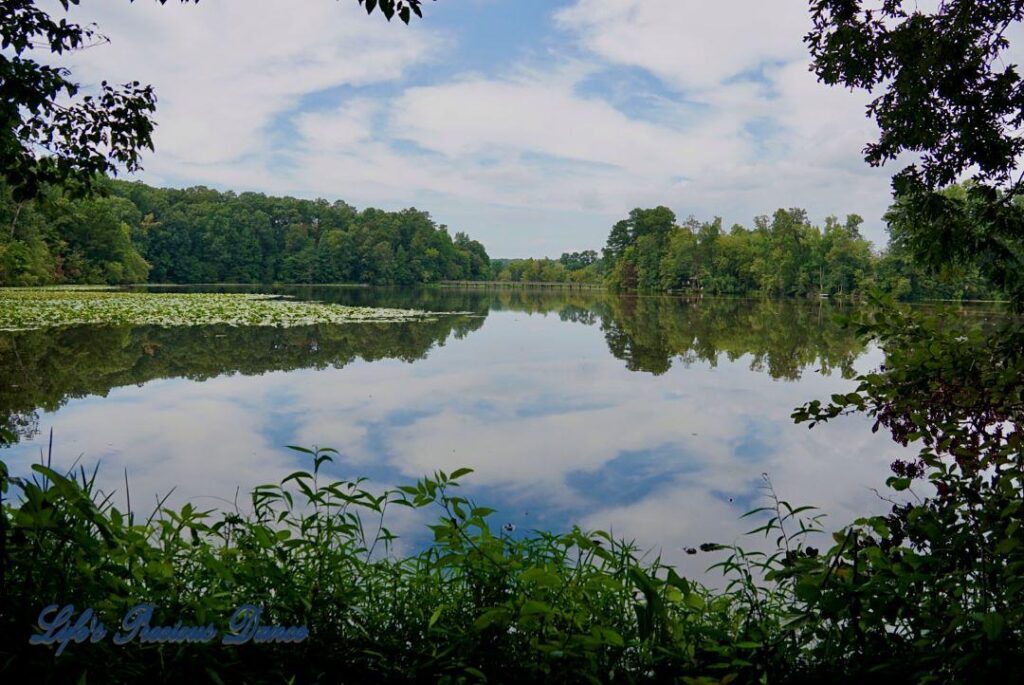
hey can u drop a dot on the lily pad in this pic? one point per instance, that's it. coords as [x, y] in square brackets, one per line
[30, 308]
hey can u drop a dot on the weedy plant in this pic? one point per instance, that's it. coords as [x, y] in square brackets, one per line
[475, 605]
[933, 591]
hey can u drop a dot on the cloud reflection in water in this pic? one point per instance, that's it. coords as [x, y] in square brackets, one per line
[652, 417]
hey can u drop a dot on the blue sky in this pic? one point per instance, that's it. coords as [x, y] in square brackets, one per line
[533, 125]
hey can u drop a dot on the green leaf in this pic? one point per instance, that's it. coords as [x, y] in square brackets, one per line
[540, 577]
[993, 625]
[1007, 545]
[490, 617]
[898, 484]
[476, 673]
[533, 607]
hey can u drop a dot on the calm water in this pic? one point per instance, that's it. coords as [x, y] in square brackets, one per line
[652, 417]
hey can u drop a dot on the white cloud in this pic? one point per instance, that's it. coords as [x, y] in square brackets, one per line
[515, 142]
[534, 156]
[745, 60]
[338, 130]
[224, 70]
[693, 44]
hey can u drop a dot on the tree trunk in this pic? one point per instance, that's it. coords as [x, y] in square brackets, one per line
[14, 221]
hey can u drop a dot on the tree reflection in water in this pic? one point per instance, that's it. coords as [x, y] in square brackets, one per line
[43, 369]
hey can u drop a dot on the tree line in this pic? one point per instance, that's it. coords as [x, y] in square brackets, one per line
[572, 267]
[783, 255]
[133, 233]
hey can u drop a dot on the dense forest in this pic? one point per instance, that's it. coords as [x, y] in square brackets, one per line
[783, 255]
[135, 233]
[132, 233]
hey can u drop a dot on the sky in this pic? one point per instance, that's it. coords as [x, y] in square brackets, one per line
[532, 125]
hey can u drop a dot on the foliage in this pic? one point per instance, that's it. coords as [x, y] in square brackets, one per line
[970, 231]
[475, 605]
[571, 267]
[938, 582]
[946, 91]
[89, 135]
[60, 239]
[929, 593]
[404, 9]
[52, 134]
[137, 232]
[783, 255]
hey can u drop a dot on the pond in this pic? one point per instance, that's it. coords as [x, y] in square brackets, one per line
[652, 417]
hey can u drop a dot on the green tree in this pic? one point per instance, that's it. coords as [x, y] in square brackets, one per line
[784, 255]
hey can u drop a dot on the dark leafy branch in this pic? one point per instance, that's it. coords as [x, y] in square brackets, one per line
[946, 92]
[404, 9]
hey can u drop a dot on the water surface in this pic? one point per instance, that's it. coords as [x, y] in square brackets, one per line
[654, 417]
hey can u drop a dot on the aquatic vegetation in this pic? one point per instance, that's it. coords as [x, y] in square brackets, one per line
[29, 308]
